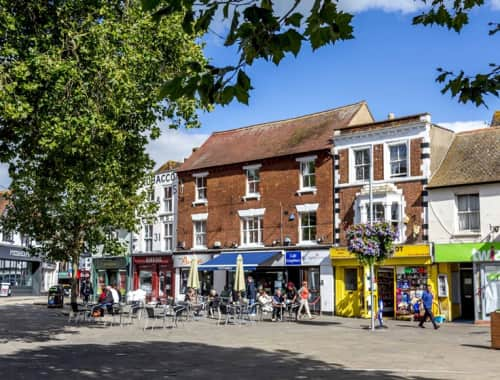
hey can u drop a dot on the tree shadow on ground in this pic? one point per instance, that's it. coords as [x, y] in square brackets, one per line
[31, 324]
[168, 360]
[478, 346]
[315, 322]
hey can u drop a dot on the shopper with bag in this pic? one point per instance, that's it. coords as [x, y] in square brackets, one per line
[427, 299]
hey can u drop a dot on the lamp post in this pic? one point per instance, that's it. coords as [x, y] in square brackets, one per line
[370, 222]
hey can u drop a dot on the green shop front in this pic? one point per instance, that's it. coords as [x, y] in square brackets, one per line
[473, 272]
[110, 271]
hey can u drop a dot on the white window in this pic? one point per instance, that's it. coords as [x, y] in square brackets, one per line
[168, 229]
[148, 238]
[307, 222]
[468, 212]
[398, 160]
[168, 199]
[253, 180]
[307, 177]
[200, 233]
[251, 230]
[8, 236]
[378, 213]
[396, 216]
[200, 188]
[362, 164]
[151, 195]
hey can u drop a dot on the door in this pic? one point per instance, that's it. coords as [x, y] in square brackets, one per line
[467, 293]
[349, 303]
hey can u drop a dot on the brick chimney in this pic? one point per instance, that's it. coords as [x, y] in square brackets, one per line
[495, 120]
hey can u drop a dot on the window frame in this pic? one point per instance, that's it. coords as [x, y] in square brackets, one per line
[468, 213]
[203, 178]
[304, 163]
[354, 166]
[168, 235]
[246, 231]
[148, 237]
[309, 226]
[252, 194]
[196, 234]
[168, 200]
[389, 161]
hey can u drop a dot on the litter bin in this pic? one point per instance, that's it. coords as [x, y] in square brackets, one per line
[56, 296]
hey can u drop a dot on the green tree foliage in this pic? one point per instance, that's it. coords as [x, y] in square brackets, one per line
[262, 29]
[80, 85]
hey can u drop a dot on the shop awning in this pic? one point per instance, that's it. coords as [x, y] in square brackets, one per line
[251, 260]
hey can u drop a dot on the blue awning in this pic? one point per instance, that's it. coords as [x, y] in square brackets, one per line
[227, 261]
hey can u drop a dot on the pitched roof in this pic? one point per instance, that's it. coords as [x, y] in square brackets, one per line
[169, 165]
[297, 135]
[473, 157]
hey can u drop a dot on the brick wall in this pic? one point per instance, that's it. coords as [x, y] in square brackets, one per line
[416, 157]
[279, 181]
[344, 165]
[378, 162]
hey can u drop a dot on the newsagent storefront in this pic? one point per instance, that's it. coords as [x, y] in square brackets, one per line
[474, 272]
[154, 275]
[399, 281]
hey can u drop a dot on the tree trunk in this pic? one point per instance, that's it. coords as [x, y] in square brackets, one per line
[74, 280]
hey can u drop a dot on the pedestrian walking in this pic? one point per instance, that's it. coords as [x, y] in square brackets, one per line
[304, 300]
[427, 300]
[380, 312]
[86, 290]
[251, 294]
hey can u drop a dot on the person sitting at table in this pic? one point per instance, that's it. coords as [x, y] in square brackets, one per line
[265, 301]
[105, 302]
[213, 301]
[278, 304]
[190, 296]
[227, 292]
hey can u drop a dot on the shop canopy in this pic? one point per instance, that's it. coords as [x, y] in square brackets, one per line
[251, 260]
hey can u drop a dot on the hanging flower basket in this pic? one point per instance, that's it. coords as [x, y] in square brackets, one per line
[371, 243]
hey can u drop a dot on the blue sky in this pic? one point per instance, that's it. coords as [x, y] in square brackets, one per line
[391, 64]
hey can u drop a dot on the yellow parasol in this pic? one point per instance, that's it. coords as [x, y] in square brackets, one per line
[239, 276]
[193, 279]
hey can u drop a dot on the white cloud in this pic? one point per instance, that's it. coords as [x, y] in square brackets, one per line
[495, 5]
[404, 6]
[461, 126]
[174, 145]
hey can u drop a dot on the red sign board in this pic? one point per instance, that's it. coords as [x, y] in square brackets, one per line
[167, 260]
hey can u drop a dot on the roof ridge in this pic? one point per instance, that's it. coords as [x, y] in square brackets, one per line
[479, 130]
[291, 118]
[391, 120]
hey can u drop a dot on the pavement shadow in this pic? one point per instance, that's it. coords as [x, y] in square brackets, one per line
[317, 323]
[478, 346]
[169, 360]
[30, 323]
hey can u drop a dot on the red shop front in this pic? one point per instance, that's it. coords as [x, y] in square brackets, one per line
[154, 275]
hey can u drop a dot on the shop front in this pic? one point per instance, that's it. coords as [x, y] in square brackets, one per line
[182, 264]
[22, 271]
[474, 269]
[155, 275]
[273, 269]
[399, 281]
[110, 271]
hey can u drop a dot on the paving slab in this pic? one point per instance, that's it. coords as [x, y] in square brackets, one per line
[36, 342]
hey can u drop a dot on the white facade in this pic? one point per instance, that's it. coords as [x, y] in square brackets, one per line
[444, 219]
[160, 236]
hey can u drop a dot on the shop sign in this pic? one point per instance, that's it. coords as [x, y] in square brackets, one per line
[293, 258]
[153, 260]
[181, 261]
[400, 251]
[467, 252]
[18, 253]
[110, 263]
[314, 258]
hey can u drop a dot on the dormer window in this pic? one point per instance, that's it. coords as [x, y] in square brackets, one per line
[200, 188]
[252, 181]
[307, 174]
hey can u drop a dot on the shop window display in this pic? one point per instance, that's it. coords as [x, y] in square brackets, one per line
[410, 282]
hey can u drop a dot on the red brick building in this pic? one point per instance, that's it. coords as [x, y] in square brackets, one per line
[404, 152]
[266, 190]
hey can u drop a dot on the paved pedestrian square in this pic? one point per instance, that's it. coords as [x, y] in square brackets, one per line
[38, 343]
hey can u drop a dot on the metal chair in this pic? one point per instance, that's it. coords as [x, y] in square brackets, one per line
[154, 313]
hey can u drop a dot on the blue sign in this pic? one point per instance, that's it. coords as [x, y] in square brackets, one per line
[293, 258]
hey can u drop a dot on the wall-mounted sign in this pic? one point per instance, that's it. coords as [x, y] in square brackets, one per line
[467, 252]
[167, 260]
[293, 258]
[182, 261]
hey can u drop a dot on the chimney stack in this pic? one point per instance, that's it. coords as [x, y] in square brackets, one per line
[495, 120]
[390, 116]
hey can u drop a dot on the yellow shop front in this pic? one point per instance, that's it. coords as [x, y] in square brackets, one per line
[399, 281]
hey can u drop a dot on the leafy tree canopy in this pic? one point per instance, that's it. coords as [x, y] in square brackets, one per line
[263, 29]
[80, 85]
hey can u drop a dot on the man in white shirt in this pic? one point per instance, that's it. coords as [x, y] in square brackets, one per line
[114, 292]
